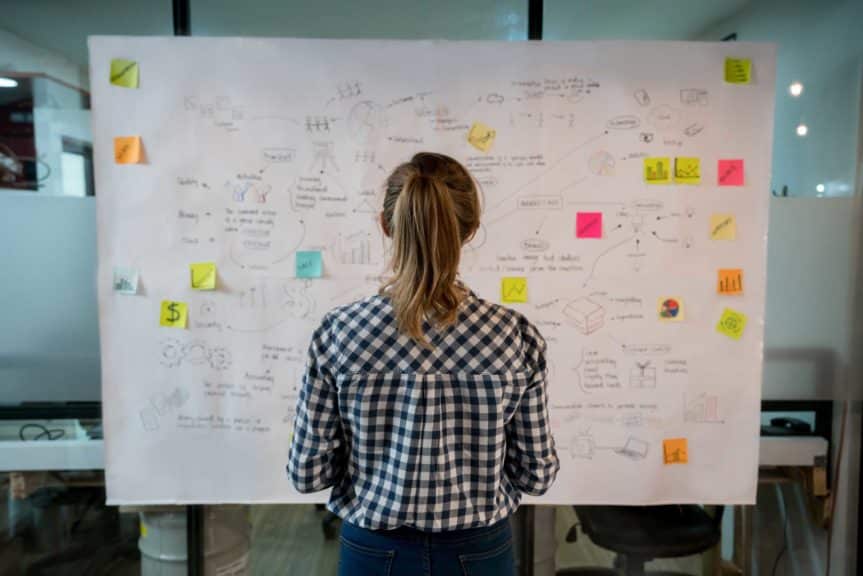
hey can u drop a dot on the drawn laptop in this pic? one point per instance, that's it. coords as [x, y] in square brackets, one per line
[634, 449]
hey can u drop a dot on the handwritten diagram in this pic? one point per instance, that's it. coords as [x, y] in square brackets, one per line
[623, 214]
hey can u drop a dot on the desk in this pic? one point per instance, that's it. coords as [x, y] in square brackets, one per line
[44, 455]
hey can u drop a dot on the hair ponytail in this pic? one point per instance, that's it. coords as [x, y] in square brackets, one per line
[431, 209]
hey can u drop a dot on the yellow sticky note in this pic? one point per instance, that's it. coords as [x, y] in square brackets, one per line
[203, 275]
[143, 529]
[173, 314]
[687, 170]
[481, 136]
[127, 150]
[732, 323]
[674, 451]
[738, 70]
[124, 73]
[730, 281]
[670, 309]
[513, 289]
[723, 227]
[657, 170]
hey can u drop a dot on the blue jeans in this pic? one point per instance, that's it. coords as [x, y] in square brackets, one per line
[410, 552]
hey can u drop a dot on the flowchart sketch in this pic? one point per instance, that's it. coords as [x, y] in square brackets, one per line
[623, 214]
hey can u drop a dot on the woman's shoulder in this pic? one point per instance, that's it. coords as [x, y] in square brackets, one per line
[371, 309]
[507, 319]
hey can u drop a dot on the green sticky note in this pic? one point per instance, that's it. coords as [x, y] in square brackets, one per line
[203, 275]
[309, 264]
[738, 70]
[513, 289]
[124, 73]
[732, 323]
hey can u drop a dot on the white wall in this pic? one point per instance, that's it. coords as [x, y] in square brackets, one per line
[811, 276]
[19, 55]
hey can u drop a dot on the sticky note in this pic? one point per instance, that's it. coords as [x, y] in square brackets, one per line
[670, 309]
[657, 170]
[738, 70]
[731, 323]
[127, 149]
[173, 314]
[143, 529]
[687, 170]
[674, 451]
[125, 281]
[730, 281]
[513, 289]
[588, 225]
[481, 136]
[309, 264]
[124, 73]
[730, 172]
[203, 275]
[723, 227]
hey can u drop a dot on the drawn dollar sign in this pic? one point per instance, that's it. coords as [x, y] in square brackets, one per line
[174, 314]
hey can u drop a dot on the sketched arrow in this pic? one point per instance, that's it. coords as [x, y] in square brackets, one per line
[661, 239]
[551, 167]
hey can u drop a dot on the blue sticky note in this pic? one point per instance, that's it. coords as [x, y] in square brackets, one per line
[309, 265]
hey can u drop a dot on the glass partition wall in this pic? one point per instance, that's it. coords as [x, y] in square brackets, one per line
[53, 519]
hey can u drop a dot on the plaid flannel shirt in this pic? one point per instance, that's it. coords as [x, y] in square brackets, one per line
[440, 438]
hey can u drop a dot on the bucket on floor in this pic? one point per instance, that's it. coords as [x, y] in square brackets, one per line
[226, 542]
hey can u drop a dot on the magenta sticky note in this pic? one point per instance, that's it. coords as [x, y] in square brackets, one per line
[730, 173]
[588, 225]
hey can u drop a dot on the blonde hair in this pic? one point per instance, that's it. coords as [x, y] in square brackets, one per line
[431, 208]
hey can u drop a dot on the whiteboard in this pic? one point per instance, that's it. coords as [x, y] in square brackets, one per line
[255, 149]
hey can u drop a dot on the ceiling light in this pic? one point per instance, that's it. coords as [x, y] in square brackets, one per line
[802, 130]
[819, 188]
[795, 89]
[8, 82]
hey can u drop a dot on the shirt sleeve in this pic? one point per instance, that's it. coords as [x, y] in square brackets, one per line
[318, 448]
[531, 462]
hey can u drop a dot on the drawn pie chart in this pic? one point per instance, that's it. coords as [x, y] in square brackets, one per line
[670, 308]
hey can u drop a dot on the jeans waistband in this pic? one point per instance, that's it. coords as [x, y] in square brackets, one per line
[410, 533]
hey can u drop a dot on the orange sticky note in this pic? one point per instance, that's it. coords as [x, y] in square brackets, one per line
[730, 281]
[674, 451]
[127, 150]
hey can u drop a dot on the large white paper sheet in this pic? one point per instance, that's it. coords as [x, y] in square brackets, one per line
[255, 149]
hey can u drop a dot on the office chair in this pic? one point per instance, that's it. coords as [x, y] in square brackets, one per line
[638, 534]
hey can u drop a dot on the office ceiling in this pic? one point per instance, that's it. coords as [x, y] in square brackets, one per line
[63, 25]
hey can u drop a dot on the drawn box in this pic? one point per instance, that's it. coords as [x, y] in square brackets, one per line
[585, 314]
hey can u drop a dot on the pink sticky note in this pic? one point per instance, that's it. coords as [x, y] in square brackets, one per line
[588, 225]
[730, 173]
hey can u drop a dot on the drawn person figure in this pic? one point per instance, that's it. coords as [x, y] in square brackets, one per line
[425, 406]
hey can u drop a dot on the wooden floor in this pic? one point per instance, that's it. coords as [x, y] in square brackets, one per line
[288, 540]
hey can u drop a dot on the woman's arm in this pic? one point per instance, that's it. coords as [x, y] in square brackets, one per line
[531, 459]
[318, 449]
